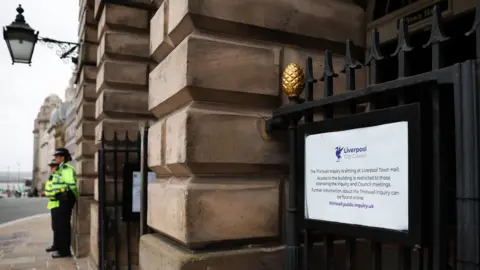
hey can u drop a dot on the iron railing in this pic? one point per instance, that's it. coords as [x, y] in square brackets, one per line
[450, 155]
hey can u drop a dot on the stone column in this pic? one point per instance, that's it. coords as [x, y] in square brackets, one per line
[36, 151]
[122, 99]
[85, 126]
[42, 158]
[220, 185]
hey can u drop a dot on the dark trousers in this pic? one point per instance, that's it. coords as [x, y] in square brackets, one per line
[62, 226]
[52, 214]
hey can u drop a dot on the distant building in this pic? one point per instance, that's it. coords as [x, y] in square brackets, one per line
[54, 127]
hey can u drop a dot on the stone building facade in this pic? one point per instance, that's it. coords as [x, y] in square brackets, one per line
[204, 74]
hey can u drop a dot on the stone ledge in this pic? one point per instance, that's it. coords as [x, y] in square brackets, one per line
[85, 167]
[113, 17]
[157, 252]
[204, 68]
[85, 149]
[85, 130]
[83, 4]
[156, 148]
[121, 104]
[160, 43]
[85, 110]
[89, 34]
[121, 126]
[122, 75]
[86, 185]
[273, 20]
[184, 145]
[86, 18]
[87, 53]
[86, 92]
[201, 210]
[88, 74]
[127, 46]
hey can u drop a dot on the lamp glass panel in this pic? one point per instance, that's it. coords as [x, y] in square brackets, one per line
[21, 50]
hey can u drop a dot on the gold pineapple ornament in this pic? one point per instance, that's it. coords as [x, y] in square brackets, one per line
[293, 81]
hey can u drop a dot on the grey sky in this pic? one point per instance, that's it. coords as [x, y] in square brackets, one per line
[24, 88]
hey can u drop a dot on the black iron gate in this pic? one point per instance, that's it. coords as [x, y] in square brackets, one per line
[120, 226]
[450, 135]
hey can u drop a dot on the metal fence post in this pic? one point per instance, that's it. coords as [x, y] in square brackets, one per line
[144, 183]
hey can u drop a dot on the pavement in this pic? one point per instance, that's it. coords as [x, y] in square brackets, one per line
[23, 243]
[15, 208]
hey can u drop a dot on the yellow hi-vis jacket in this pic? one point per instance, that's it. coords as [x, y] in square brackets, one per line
[50, 193]
[65, 179]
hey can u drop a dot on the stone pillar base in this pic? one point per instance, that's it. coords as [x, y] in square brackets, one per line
[81, 227]
[91, 264]
[81, 245]
[157, 252]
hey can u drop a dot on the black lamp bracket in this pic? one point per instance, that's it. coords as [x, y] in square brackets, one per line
[64, 49]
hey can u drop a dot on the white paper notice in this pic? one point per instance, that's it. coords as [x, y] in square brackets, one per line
[136, 186]
[359, 176]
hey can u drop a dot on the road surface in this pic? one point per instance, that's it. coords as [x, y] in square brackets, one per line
[16, 208]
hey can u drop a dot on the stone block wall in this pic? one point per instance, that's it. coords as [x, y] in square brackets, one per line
[120, 94]
[70, 127]
[85, 127]
[217, 73]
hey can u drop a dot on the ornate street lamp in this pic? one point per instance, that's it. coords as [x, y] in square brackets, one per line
[21, 40]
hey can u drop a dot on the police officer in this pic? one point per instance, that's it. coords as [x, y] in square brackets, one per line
[53, 203]
[65, 183]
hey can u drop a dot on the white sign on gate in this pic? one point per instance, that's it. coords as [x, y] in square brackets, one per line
[359, 176]
[136, 189]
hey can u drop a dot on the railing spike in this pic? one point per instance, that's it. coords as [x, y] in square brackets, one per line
[403, 47]
[328, 74]
[328, 70]
[476, 22]
[374, 51]
[115, 136]
[349, 61]
[127, 139]
[373, 56]
[349, 66]
[436, 33]
[309, 79]
[309, 82]
[403, 38]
